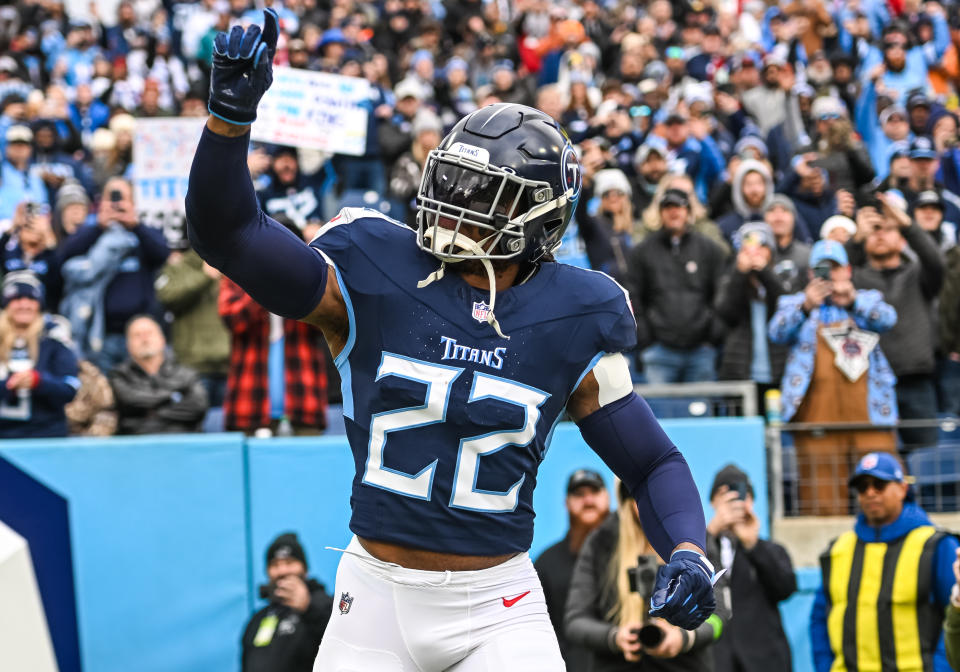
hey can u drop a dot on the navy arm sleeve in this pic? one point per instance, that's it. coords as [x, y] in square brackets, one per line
[628, 438]
[228, 229]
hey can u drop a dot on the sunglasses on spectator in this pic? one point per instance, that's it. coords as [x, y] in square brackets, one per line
[830, 116]
[863, 484]
[895, 44]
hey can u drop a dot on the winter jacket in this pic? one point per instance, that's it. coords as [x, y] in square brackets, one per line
[950, 304]
[247, 403]
[951, 636]
[766, 105]
[293, 639]
[792, 326]
[607, 250]
[790, 264]
[910, 289]
[92, 411]
[742, 212]
[591, 598]
[38, 412]
[673, 284]
[910, 518]
[200, 339]
[812, 210]
[170, 402]
[86, 278]
[130, 292]
[760, 578]
[733, 306]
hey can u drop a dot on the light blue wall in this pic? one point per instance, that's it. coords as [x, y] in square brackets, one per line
[158, 528]
[169, 533]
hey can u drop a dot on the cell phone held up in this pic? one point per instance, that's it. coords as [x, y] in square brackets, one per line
[822, 271]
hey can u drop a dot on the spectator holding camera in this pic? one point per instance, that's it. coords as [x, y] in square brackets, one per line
[111, 281]
[284, 636]
[836, 372]
[910, 287]
[38, 370]
[605, 614]
[30, 246]
[154, 394]
[747, 296]
[761, 576]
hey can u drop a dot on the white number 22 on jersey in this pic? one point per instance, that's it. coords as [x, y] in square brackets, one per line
[439, 379]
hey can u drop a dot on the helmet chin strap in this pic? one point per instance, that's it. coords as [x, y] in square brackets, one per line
[441, 240]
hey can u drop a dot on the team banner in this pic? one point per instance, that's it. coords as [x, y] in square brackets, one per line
[163, 150]
[314, 110]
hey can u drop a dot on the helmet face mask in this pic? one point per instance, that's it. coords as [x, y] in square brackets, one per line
[489, 196]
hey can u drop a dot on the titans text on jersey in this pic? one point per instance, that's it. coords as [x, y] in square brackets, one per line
[447, 420]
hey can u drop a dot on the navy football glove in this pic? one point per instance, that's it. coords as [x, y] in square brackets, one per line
[683, 593]
[242, 70]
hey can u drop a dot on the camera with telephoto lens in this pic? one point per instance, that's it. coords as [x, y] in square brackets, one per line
[642, 580]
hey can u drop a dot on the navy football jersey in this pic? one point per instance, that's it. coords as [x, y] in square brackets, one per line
[448, 421]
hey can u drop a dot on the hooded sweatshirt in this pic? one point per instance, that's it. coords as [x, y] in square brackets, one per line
[742, 212]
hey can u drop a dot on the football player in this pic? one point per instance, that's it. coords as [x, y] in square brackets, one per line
[460, 347]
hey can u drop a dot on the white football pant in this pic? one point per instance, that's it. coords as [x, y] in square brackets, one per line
[387, 618]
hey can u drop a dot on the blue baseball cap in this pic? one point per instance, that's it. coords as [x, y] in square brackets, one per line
[828, 250]
[883, 466]
[332, 36]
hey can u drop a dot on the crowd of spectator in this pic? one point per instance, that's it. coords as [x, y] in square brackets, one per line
[719, 140]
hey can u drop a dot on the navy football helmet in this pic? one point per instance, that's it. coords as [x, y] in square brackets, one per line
[507, 170]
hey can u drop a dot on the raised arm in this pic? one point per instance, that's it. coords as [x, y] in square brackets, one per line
[224, 220]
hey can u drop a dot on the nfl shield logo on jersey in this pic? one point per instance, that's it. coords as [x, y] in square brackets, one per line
[480, 311]
[346, 601]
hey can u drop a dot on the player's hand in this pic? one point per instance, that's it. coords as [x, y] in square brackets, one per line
[683, 593]
[242, 70]
[293, 592]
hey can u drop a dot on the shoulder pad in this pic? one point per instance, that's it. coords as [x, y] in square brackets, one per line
[350, 215]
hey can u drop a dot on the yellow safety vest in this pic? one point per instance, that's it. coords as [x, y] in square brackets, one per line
[880, 617]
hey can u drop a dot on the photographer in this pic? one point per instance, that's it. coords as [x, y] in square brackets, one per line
[608, 616]
[761, 575]
[114, 283]
[284, 636]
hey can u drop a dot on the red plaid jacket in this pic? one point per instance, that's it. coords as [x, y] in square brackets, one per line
[246, 406]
